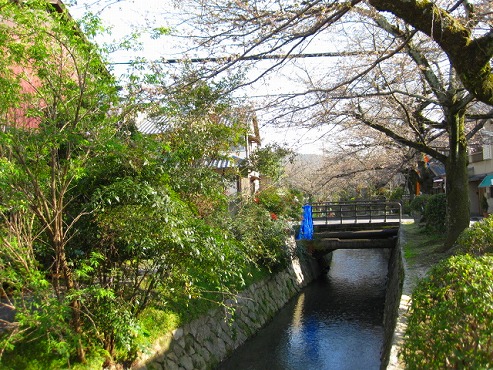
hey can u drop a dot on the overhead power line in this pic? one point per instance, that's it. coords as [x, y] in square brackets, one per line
[252, 57]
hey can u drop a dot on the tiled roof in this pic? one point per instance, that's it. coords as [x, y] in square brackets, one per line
[159, 124]
[224, 163]
[437, 167]
[153, 125]
[220, 164]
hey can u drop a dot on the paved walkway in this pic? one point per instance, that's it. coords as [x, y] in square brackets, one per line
[411, 277]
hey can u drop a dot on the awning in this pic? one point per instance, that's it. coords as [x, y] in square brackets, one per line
[487, 182]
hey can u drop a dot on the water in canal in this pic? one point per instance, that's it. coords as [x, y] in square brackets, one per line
[335, 323]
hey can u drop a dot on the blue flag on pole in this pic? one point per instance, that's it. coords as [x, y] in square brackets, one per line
[306, 228]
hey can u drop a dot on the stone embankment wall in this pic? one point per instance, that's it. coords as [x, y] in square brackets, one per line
[412, 275]
[395, 276]
[205, 342]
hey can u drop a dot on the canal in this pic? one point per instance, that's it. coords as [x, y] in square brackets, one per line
[334, 323]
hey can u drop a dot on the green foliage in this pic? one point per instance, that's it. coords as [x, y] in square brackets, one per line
[198, 127]
[56, 114]
[268, 161]
[148, 236]
[137, 240]
[155, 322]
[45, 339]
[99, 227]
[191, 96]
[396, 194]
[262, 234]
[272, 200]
[432, 208]
[451, 317]
[159, 31]
[477, 240]
[112, 319]
[283, 202]
[435, 212]
[418, 203]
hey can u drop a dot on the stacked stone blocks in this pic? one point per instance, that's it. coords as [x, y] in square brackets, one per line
[206, 341]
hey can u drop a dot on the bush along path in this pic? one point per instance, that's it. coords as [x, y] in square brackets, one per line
[450, 319]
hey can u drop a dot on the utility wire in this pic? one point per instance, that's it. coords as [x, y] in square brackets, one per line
[252, 57]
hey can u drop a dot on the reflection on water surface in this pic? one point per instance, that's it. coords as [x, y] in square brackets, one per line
[334, 323]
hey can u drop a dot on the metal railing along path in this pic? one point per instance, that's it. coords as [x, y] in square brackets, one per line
[356, 212]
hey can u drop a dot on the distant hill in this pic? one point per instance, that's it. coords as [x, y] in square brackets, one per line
[316, 159]
[303, 171]
[312, 161]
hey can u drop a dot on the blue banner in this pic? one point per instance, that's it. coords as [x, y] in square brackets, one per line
[306, 228]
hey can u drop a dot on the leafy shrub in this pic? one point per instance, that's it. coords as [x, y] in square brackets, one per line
[418, 203]
[272, 200]
[46, 334]
[435, 212]
[396, 194]
[477, 239]
[281, 201]
[406, 208]
[262, 234]
[432, 208]
[451, 316]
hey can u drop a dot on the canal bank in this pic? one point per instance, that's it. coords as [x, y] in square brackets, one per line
[395, 307]
[205, 342]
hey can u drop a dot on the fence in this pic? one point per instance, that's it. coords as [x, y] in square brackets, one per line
[356, 212]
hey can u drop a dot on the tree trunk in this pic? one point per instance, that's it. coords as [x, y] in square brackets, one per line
[75, 306]
[457, 187]
[61, 265]
[56, 229]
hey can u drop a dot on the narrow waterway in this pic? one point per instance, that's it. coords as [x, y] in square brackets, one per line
[334, 323]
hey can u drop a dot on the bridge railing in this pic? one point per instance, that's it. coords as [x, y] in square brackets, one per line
[356, 212]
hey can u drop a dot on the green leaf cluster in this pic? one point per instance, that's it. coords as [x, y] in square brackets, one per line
[476, 240]
[262, 234]
[451, 316]
[281, 201]
[269, 161]
[433, 210]
[418, 203]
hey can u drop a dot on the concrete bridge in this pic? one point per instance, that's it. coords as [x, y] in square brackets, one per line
[354, 225]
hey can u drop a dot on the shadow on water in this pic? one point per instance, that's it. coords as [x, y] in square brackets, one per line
[334, 323]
